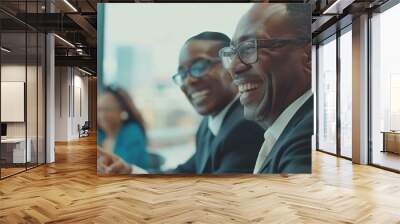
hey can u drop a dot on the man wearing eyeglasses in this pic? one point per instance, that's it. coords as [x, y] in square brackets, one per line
[269, 59]
[225, 141]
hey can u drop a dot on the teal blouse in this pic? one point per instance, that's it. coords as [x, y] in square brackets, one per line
[130, 144]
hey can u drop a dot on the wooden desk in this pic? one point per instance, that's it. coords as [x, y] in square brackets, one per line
[391, 141]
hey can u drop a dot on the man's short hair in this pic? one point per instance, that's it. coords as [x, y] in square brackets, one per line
[213, 36]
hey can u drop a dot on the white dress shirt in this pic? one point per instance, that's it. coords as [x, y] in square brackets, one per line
[215, 122]
[272, 134]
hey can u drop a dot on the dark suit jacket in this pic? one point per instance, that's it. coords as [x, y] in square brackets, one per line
[233, 150]
[292, 151]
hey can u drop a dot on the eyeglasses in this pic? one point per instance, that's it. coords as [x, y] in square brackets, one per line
[196, 70]
[247, 50]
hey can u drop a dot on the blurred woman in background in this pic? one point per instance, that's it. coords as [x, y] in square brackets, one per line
[121, 130]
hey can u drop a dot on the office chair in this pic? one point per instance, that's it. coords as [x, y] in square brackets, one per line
[84, 130]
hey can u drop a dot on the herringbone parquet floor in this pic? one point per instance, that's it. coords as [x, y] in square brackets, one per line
[69, 191]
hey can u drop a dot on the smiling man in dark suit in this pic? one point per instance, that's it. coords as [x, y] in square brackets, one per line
[269, 59]
[225, 141]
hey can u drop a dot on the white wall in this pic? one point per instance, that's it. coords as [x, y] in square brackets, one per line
[13, 100]
[33, 126]
[16, 73]
[61, 103]
[71, 93]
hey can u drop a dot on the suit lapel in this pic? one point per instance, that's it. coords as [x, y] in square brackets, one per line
[229, 120]
[267, 161]
[298, 116]
[211, 143]
[205, 155]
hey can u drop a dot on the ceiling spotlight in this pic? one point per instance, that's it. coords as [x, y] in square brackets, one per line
[79, 51]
